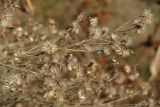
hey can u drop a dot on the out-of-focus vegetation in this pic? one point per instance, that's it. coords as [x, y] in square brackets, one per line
[79, 53]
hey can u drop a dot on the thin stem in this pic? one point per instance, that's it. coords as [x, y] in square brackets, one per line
[30, 6]
[6, 65]
[74, 50]
[120, 27]
[124, 98]
[31, 50]
[99, 43]
[79, 43]
[125, 30]
[40, 46]
[58, 39]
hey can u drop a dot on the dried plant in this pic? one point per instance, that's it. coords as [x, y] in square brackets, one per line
[42, 65]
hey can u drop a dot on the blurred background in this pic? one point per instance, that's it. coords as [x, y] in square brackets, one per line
[25, 30]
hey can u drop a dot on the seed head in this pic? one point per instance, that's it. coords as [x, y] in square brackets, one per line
[50, 48]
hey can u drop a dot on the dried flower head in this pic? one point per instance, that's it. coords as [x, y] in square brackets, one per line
[144, 19]
[12, 81]
[147, 16]
[50, 95]
[126, 53]
[127, 68]
[96, 31]
[94, 22]
[7, 20]
[81, 94]
[76, 24]
[50, 48]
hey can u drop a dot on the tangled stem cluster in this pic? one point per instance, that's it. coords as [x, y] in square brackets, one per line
[71, 69]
